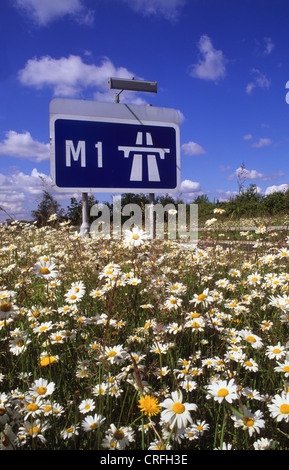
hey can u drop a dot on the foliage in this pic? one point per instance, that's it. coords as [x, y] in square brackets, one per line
[205, 207]
[247, 203]
[250, 203]
[46, 208]
[74, 210]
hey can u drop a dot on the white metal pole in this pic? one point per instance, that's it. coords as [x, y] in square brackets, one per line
[152, 216]
[85, 227]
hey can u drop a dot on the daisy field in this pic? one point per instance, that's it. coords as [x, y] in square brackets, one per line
[142, 344]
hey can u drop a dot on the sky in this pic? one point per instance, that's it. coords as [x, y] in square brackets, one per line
[222, 64]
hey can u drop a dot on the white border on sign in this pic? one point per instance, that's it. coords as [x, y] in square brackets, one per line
[99, 112]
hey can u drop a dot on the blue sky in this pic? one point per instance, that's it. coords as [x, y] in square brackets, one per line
[223, 64]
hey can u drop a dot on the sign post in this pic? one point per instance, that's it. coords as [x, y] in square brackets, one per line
[85, 226]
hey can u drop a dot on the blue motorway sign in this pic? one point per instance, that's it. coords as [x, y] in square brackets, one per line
[110, 147]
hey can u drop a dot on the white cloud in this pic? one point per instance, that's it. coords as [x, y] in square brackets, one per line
[24, 146]
[269, 46]
[262, 142]
[246, 174]
[225, 168]
[69, 76]
[250, 87]
[19, 181]
[225, 195]
[190, 190]
[44, 11]
[188, 186]
[18, 191]
[126, 96]
[192, 148]
[260, 80]
[211, 65]
[254, 174]
[169, 9]
[274, 189]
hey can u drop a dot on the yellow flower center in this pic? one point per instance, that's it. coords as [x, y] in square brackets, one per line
[223, 392]
[42, 390]
[44, 271]
[195, 315]
[248, 421]
[248, 363]
[34, 430]
[69, 430]
[135, 236]
[276, 351]
[47, 360]
[32, 407]
[111, 354]
[251, 339]
[5, 307]
[286, 368]
[178, 408]
[284, 409]
[118, 434]
[93, 426]
[202, 297]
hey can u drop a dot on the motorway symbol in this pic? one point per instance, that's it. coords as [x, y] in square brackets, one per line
[136, 171]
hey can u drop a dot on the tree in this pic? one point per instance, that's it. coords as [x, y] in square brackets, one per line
[286, 200]
[74, 211]
[274, 203]
[132, 198]
[47, 207]
[205, 207]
